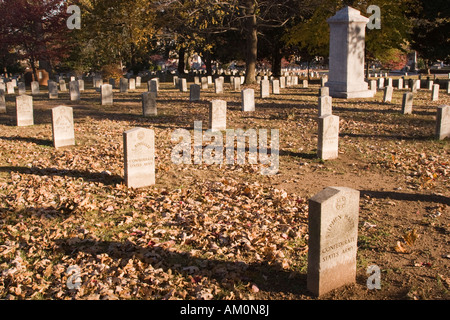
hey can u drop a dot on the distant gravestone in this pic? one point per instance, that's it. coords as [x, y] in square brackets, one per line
[210, 80]
[305, 83]
[52, 90]
[236, 83]
[24, 110]
[407, 103]
[389, 82]
[388, 94]
[98, 82]
[218, 85]
[443, 122]
[182, 84]
[380, 83]
[218, 115]
[62, 126]
[175, 81]
[430, 84]
[2, 85]
[325, 105]
[248, 99]
[197, 80]
[132, 84]
[62, 86]
[138, 82]
[400, 84]
[194, 92]
[324, 91]
[275, 86]
[74, 91]
[415, 85]
[153, 86]
[282, 82]
[333, 233]
[106, 92]
[123, 85]
[264, 88]
[328, 142]
[373, 85]
[149, 104]
[204, 83]
[21, 88]
[406, 83]
[139, 157]
[81, 84]
[2, 101]
[10, 87]
[435, 92]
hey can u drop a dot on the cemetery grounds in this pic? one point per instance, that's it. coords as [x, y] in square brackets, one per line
[219, 231]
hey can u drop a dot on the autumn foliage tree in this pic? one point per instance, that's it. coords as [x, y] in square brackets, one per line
[36, 30]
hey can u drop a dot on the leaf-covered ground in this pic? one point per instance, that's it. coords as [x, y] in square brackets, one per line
[219, 231]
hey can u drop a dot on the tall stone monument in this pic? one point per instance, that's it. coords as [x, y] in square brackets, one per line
[347, 44]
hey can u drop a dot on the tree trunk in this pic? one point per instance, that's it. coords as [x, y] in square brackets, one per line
[251, 37]
[181, 61]
[276, 62]
[207, 60]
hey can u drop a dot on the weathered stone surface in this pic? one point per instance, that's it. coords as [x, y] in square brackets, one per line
[333, 234]
[62, 127]
[139, 157]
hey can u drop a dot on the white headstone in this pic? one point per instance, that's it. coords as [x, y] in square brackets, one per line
[204, 83]
[325, 105]
[236, 83]
[182, 84]
[387, 97]
[435, 92]
[10, 87]
[62, 126]
[81, 84]
[52, 90]
[248, 99]
[153, 86]
[333, 235]
[132, 84]
[218, 84]
[74, 91]
[139, 157]
[218, 115]
[275, 86]
[24, 110]
[407, 103]
[21, 88]
[106, 92]
[124, 85]
[2, 101]
[328, 142]
[34, 87]
[149, 104]
[265, 88]
[443, 122]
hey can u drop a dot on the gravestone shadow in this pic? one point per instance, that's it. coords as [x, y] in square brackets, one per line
[268, 277]
[102, 177]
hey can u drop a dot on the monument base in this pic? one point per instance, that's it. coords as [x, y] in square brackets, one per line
[342, 90]
[352, 95]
